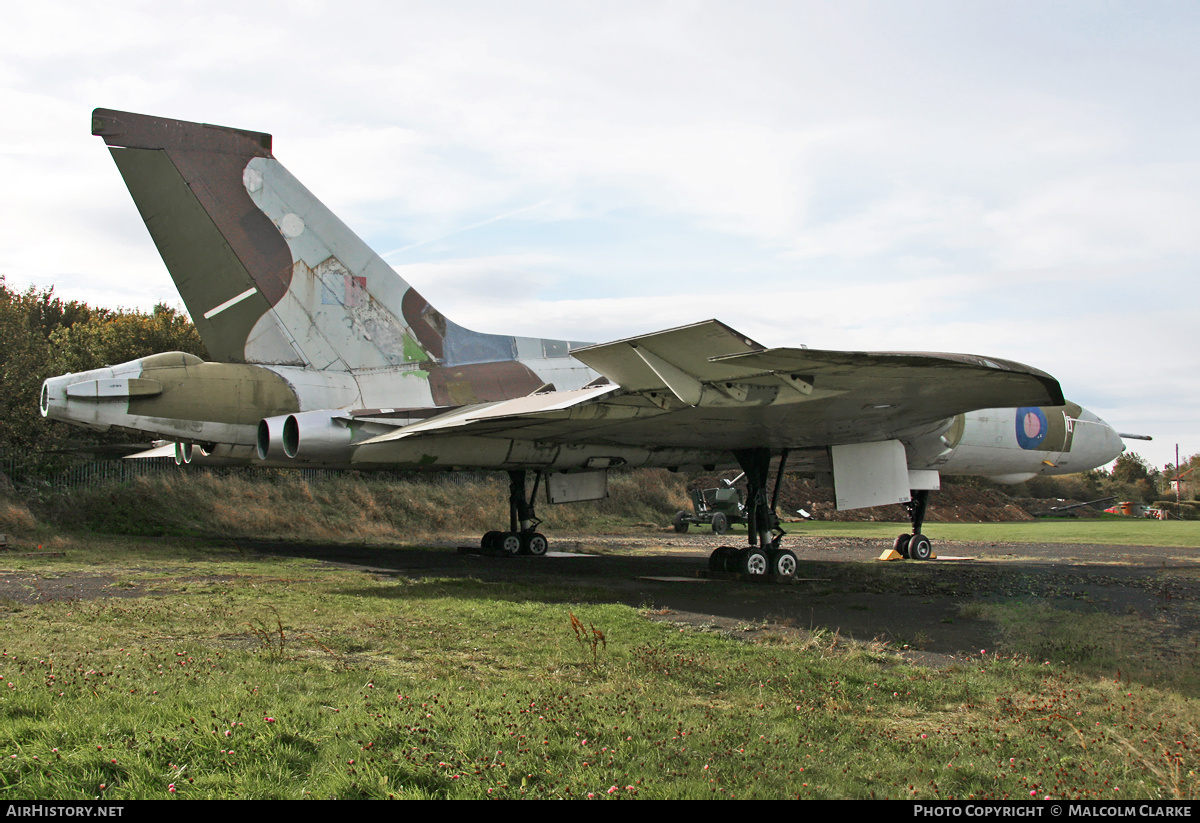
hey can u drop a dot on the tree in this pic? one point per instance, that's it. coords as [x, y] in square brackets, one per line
[109, 338]
[24, 355]
[1188, 472]
[42, 336]
[1130, 468]
[1132, 478]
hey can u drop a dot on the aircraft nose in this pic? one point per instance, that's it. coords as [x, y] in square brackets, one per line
[1095, 442]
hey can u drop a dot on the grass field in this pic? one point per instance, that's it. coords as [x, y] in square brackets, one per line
[233, 676]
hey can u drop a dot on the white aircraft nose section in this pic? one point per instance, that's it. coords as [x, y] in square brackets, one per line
[1095, 442]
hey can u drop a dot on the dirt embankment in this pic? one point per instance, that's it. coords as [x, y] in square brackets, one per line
[952, 504]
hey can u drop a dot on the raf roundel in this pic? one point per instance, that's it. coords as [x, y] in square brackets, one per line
[1032, 427]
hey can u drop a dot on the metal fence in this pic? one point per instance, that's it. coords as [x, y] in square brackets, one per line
[91, 473]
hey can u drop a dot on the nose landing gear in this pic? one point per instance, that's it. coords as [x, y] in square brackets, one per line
[915, 546]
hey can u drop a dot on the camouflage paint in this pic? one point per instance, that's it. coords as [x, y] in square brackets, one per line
[317, 333]
[271, 276]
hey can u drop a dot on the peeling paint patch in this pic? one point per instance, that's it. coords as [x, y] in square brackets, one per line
[341, 288]
[292, 225]
[413, 353]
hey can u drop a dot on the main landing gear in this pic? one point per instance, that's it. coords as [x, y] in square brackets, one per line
[522, 536]
[763, 555]
[915, 546]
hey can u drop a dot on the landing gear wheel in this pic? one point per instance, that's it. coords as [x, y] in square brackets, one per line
[507, 543]
[681, 522]
[720, 523]
[489, 540]
[733, 559]
[901, 545]
[716, 560]
[919, 547]
[784, 563]
[534, 543]
[755, 562]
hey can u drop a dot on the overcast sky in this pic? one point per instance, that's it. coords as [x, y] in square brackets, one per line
[1015, 179]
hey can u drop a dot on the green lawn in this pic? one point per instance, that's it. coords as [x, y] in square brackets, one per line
[234, 676]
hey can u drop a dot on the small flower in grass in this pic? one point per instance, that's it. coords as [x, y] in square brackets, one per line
[613, 790]
[171, 788]
[924, 736]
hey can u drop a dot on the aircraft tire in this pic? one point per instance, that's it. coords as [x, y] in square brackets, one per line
[901, 545]
[507, 543]
[534, 543]
[755, 562]
[718, 561]
[720, 523]
[489, 540]
[681, 522]
[733, 560]
[919, 548]
[784, 563]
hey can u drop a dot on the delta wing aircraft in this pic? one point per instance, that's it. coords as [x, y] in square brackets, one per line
[325, 356]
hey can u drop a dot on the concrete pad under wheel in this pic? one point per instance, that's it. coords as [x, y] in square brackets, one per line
[892, 554]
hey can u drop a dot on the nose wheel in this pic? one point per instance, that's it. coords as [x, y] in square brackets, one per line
[915, 546]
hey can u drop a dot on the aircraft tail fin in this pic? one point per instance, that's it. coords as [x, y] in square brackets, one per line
[268, 273]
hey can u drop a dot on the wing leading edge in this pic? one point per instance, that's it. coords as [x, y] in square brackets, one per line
[706, 386]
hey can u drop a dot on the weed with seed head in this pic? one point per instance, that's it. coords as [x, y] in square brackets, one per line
[588, 636]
